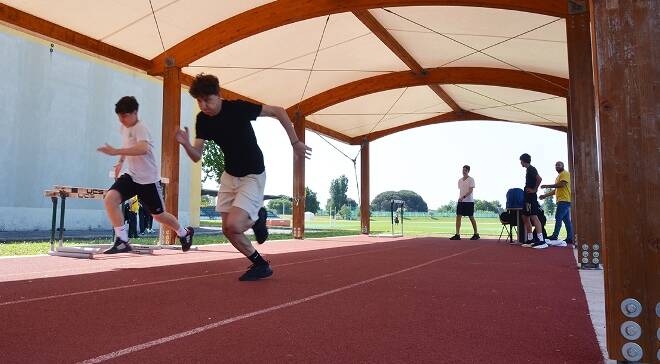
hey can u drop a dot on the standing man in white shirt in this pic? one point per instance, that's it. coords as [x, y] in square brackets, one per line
[465, 206]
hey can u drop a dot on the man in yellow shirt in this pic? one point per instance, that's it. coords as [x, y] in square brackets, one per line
[562, 190]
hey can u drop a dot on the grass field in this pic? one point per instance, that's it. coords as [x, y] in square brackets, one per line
[320, 226]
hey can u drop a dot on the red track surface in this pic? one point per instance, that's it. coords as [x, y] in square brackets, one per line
[427, 300]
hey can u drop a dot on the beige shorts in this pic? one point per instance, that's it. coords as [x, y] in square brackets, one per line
[246, 193]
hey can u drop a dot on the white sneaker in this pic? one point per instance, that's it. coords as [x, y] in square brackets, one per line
[558, 243]
[539, 245]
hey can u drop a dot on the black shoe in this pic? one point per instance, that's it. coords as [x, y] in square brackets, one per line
[119, 247]
[475, 237]
[455, 237]
[569, 241]
[256, 272]
[186, 241]
[259, 227]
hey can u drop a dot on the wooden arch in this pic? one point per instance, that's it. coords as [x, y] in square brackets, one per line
[283, 12]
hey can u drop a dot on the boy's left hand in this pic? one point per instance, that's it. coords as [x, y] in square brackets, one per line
[301, 149]
[107, 149]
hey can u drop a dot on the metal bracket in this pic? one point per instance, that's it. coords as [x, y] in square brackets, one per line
[576, 7]
[170, 62]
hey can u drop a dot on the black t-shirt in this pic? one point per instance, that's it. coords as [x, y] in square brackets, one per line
[530, 177]
[232, 130]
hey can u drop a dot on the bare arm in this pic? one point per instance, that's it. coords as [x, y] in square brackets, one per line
[280, 114]
[556, 185]
[140, 148]
[194, 149]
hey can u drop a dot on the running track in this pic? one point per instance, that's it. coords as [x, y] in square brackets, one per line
[341, 300]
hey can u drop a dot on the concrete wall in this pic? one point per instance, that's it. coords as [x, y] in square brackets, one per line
[56, 108]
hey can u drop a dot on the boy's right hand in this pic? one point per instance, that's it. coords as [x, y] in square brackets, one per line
[183, 136]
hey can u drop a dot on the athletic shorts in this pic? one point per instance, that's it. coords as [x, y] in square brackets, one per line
[465, 209]
[531, 206]
[246, 193]
[150, 195]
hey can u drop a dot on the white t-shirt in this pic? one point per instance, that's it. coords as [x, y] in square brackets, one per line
[464, 186]
[142, 168]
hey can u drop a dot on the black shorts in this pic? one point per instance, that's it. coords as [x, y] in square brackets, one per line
[531, 206]
[150, 195]
[465, 209]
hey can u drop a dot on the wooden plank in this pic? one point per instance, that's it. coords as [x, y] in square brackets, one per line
[625, 35]
[283, 12]
[169, 147]
[364, 188]
[55, 32]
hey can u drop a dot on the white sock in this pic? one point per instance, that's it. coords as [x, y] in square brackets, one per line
[182, 231]
[530, 236]
[540, 236]
[121, 232]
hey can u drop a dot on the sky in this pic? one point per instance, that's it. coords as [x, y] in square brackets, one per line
[427, 160]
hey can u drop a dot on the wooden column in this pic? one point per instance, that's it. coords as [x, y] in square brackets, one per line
[169, 146]
[299, 183]
[570, 165]
[364, 188]
[625, 36]
[583, 134]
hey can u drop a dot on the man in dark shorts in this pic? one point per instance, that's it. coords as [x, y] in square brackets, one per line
[142, 178]
[240, 198]
[465, 206]
[531, 207]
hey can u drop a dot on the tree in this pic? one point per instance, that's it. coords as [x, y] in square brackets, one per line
[338, 189]
[549, 203]
[311, 202]
[413, 201]
[450, 207]
[280, 205]
[213, 162]
[207, 201]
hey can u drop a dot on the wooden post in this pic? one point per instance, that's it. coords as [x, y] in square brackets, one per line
[571, 169]
[299, 183]
[364, 188]
[583, 133]
[625, 37]
[169, 146]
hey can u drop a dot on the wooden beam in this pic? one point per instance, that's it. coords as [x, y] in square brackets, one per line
[169, 146]
[299, 184]
[445, 75]
[283, 12]
[625, 35]
[379, 31]
[364, 188]
[449, 117]
[585, 184]
[445, 97]
[55, 32]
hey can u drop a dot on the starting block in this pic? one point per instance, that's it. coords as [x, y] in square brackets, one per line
[87, 251]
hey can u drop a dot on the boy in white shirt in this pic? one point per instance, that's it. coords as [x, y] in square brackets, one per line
[142, 178]
[465, 206]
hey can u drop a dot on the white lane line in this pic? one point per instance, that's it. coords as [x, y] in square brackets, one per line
[162, 340]
[44, 298]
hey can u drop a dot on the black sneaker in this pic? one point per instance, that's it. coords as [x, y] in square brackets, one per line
[455, 237]
[475, 237]
[186, 241]
[259, 227]
[119, 247]
[256, 272]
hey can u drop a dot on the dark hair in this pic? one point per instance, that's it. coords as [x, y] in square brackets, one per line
[526, 158]
[126, 105]
[204, 85]
[466, 167]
